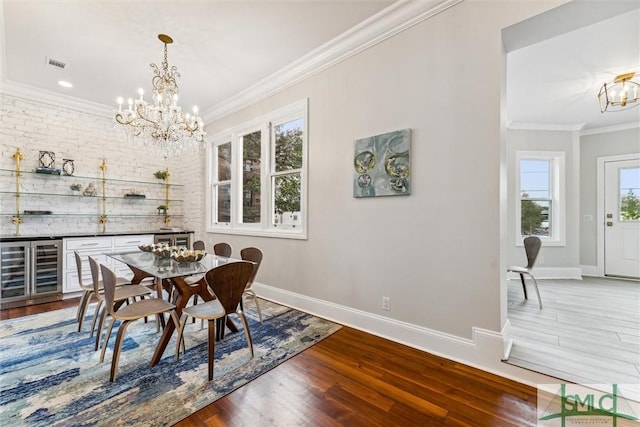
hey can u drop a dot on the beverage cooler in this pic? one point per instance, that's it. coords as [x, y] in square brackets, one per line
[30, 272]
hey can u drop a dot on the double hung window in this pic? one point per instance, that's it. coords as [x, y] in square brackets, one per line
[257, 176]
[540, 205]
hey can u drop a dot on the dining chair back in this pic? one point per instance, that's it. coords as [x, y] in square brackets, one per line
[127, 314]
[199, 245]
[228, 283]
[254, 255]
[532, 245]
[222, 249]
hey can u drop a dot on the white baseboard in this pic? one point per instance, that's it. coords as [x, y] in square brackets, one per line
[485, 350]
[591, 270]
[552, 273]
[507, 340]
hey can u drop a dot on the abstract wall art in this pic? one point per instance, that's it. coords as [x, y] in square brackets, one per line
[382, 165]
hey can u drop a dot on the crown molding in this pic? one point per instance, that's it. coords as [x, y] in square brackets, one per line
[392, 20]
[545, 126]
[608, 129]
[48, 97]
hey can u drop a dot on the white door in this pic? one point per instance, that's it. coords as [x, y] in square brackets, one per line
[622, 218]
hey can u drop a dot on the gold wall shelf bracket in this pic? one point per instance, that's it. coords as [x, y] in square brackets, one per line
[102, 219]
[17, 218]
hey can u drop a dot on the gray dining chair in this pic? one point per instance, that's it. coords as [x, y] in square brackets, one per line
[532, 246]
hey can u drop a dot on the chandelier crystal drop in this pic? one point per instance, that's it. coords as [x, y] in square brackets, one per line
[162, 123]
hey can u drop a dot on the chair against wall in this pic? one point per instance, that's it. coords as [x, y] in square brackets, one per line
[532, 246]
[127, 314]
[222, 249]
[253, 255]
[122, 294]
[228, 282]
[88, 292]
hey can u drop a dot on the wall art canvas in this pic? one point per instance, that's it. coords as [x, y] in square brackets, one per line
[382, 165]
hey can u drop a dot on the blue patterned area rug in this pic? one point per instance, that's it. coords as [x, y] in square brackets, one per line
[51, 376]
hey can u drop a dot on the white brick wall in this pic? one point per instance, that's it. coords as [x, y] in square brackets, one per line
[87, 139]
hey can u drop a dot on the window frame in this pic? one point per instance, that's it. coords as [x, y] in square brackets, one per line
[557, 187]
[266, 125]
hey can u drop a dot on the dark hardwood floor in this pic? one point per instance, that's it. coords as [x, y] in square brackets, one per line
[356, 379]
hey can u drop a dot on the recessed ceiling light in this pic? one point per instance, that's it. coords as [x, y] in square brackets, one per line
[64, 83]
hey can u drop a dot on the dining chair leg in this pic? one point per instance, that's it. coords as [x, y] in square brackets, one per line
[103, 316]
[105, 342]
[255, 299]
[246, 332]
[116, 349]
[535, 286]
[84, 296]
[524, 288]
[211, 346]
[95, 316]
[82, 308]
[195, 302]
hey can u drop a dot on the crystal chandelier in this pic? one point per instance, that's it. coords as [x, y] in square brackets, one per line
[162, 123]
[619, 94]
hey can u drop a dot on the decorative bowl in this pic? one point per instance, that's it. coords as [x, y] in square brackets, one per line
[147, 247]
[188, 255]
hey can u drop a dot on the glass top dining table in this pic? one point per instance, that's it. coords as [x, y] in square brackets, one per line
[168, 268]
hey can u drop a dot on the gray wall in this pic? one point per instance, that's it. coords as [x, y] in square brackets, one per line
[535, 140]
[591, 147]
[436, 253]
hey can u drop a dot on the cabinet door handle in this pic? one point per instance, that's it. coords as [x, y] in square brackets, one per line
[89, 244]
[134, 241]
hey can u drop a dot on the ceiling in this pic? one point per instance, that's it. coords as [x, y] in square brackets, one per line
[222, 48]
[553, 83]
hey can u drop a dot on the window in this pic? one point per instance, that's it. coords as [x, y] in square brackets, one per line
[540, 209]
[629, 190]
[262, 160]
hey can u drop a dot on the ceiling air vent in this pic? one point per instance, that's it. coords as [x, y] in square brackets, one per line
[56, 63]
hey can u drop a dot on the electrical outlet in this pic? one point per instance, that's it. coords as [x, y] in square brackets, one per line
[386, 303]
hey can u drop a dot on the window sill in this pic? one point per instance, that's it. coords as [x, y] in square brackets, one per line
[545, 242]
[278, 234]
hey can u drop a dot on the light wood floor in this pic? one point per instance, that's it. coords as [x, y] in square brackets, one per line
[587, 332]
[356, 379]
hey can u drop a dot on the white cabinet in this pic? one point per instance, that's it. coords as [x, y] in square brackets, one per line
[128, 243]
[97, 247]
